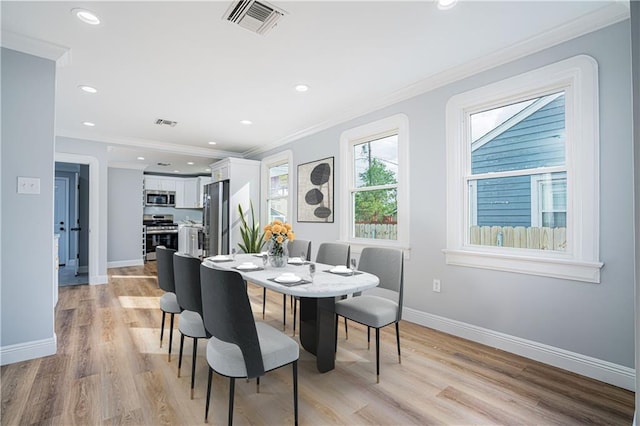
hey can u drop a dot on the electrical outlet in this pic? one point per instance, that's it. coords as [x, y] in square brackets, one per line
[436, 286]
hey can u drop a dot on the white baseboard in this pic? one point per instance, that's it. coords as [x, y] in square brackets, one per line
[29, 350]
[125, 263]
[604, 371]
[83, 269]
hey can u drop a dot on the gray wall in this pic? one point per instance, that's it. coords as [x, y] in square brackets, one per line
[28, 90]
[595, 320]
[124, 246]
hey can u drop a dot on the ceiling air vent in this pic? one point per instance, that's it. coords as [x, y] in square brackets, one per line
[256, 16]
[161, 121]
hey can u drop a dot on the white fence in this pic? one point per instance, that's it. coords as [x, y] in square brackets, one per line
[379, 231]
[541, 238]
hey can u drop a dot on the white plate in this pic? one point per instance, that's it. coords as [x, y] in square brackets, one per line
[288, 279]
[296, 261]
[340, 270]
[247, 266]
[219, 257]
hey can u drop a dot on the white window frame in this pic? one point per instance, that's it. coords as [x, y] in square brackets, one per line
[399, 124]
[578, 76]
[266, 164]
[536, 199]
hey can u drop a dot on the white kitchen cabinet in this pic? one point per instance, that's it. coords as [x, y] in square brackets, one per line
[187, 193]
[159, 183]
[220, 170]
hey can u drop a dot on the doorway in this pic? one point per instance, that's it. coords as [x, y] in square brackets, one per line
[71, 222]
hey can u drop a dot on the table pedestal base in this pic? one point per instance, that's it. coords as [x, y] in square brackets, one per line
[318, 330]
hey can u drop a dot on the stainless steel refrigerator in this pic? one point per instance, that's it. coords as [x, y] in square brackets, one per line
[216, 218]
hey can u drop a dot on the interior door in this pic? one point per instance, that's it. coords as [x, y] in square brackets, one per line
[61, 218]
[76, 229]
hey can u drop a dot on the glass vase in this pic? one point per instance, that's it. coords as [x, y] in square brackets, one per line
[278, 254]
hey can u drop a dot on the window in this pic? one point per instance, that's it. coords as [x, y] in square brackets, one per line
[522, 174]
[375, 169]
[276, 179]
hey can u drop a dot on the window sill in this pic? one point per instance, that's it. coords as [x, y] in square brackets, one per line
[567, 269]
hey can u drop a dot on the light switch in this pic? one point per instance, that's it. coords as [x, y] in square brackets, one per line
[27, 185]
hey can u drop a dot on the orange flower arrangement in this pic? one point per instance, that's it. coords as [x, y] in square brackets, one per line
[278, 233]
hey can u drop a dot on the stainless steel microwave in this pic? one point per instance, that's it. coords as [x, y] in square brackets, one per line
[159, 198]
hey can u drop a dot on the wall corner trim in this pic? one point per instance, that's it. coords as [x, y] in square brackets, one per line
[584, 365]
[11, 354]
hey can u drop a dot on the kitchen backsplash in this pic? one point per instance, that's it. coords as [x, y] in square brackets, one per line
[179, 215]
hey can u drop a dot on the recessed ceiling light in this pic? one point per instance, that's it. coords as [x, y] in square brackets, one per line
[88, 123]
[140, 158]
[446, 4]
[212, 143]
[86, 16]
[246, 122]
[88, 89]
[176, 171]
[191, 163]
[207, 169]
[302, 88]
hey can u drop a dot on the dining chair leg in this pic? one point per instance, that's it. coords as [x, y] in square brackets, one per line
[232, 386]
[295, 392]
[264, 300]
[346, 331]
[164, 314]
[193, 365]
[171, 335]
[206, 407]
[180, 355]
[257, 384]
[377, 355]
[284, 312]
[368, 337]
[398, 341]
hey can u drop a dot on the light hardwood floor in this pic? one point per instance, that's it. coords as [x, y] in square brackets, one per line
[109, 369]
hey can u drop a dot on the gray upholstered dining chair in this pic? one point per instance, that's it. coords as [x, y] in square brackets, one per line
[239, 346]
[376, 311]
[168, 301]
[187, 277]
[329, 254]
[296, 248]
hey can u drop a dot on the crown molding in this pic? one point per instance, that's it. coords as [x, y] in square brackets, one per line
[610, 14]
[61, 55]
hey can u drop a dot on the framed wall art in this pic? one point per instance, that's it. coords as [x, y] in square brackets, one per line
[315, 191]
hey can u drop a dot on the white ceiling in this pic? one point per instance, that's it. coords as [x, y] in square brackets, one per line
[181, 61]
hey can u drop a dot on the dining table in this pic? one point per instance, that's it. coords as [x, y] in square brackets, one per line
[317, 295]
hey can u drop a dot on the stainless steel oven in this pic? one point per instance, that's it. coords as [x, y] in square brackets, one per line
[159, 231]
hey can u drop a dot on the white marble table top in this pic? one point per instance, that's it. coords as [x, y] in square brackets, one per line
[325, 284]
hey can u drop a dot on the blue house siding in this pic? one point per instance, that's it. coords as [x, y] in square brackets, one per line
[504, 201]
[536, 141]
